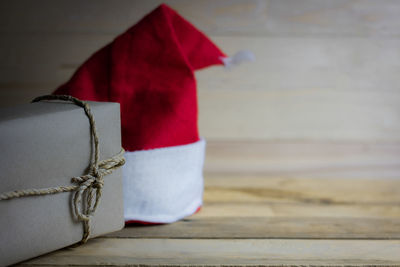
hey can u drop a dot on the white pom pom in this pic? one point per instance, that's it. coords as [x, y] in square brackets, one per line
[238, 58]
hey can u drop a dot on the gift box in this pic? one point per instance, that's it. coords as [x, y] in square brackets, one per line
[44, 145]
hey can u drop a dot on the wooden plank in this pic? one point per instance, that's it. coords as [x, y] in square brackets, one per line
[12, 97]
[256, 207]
[337, 90]
[320, 116]
[286, 118]
[298, 210]
[250, 252]
[330, 191]
[334, 18]
[303, 159]
[224, 17]
[316, 115]
[321, 64]
[268, 227]
[301, 89]
[45, 58]
[296, 65]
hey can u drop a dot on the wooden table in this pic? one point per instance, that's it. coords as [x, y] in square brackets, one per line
[253, 220]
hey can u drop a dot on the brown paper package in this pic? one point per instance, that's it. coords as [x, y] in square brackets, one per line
[44, 145]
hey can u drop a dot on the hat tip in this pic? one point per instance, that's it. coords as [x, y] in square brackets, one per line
[164, 6]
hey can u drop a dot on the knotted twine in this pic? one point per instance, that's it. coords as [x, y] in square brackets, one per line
[89, 186]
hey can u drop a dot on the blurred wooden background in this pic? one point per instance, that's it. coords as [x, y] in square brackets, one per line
[321, 100]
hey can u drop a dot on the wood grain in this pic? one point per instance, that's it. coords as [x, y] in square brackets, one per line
[283, 64]
[225, 17]
[347, 238]
[261, 116]
[221, 252]
[303, 159]
[256, 207]
[330, 191]
[338, 90]
[298, 211]
[264, 228]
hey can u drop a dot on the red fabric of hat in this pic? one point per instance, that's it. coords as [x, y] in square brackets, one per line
[149, 71]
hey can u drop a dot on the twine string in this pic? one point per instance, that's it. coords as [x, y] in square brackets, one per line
[88, 188]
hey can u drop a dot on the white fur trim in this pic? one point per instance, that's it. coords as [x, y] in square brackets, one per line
[163, 185]
[238, 58]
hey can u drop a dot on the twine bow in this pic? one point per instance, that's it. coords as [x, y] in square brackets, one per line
[88, 187]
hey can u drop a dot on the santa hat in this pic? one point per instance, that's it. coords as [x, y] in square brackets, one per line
[149, 71]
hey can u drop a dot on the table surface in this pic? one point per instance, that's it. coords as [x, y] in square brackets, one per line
[253, 220]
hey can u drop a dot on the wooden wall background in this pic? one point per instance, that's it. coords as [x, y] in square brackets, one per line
[321, 100]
